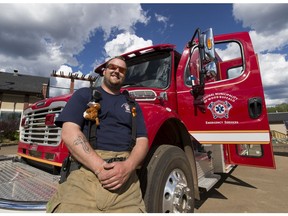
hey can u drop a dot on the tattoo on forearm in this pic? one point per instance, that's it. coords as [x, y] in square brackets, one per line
[80, 140]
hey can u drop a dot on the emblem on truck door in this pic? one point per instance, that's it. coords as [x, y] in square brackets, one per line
[220, 109]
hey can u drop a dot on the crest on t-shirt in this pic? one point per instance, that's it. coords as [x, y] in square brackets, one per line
[126, 107]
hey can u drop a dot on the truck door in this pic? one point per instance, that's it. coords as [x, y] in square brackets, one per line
[231, 109]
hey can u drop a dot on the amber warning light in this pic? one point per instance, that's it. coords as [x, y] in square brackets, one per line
[209, 43]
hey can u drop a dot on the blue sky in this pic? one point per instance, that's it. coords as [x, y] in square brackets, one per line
[38, 38]
[173, 23]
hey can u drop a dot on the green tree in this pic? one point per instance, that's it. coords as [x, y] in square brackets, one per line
[278, 108]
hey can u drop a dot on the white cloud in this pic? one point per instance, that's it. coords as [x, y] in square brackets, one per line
[121, 16]
[269, 34]
[124, 43]
[164, 20]
[161, 18]
[266, 19]
[269, 43]
[273, 68]
[38, 38]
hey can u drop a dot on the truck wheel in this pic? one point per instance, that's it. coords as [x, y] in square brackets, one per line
[169, 181]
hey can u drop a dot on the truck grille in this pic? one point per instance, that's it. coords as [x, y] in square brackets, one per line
[35, 130]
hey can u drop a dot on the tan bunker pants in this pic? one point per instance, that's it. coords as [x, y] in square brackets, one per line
[82, 192]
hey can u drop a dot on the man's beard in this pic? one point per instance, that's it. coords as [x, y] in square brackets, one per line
[112, 86]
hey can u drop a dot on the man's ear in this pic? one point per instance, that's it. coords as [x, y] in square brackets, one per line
[104, 71]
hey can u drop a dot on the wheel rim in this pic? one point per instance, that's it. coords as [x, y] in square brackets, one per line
[176, 196]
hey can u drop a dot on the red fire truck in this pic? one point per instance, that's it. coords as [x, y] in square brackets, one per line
[204, 110]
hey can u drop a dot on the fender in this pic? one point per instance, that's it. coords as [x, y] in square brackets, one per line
[155, 116]
[165, 127]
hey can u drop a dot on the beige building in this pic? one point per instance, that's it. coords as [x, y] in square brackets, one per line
[18, 91]
[278, 125]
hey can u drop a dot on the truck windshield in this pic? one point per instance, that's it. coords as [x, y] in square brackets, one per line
[149, 70]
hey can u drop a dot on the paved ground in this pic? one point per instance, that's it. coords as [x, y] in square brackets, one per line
[9, 149]
[250, 190]
[244, 190]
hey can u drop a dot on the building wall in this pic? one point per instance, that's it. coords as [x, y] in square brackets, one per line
[12, 102]
[278, 127]
[278, 131]
[15, 104]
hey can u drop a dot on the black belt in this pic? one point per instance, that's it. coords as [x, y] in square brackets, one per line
[108, 160]
[111, 160]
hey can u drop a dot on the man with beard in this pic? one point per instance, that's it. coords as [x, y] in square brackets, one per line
[106, 180]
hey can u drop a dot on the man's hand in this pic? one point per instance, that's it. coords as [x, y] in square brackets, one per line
[115, 174]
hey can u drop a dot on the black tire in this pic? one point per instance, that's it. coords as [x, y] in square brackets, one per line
[168, 181]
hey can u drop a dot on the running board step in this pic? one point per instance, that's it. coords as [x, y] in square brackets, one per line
[208, 182]
[205, 171]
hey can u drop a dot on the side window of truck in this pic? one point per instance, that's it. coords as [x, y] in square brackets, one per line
[192, 69]
[230, 60]
[229, 63]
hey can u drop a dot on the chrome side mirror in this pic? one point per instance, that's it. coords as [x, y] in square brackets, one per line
[211, 69]
[207, 40]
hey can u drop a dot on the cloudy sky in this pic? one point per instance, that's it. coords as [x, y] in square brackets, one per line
[39, 38]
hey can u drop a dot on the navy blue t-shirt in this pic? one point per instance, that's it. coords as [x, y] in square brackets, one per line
[114, 131]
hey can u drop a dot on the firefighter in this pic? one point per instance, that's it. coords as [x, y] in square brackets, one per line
[106, 180]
